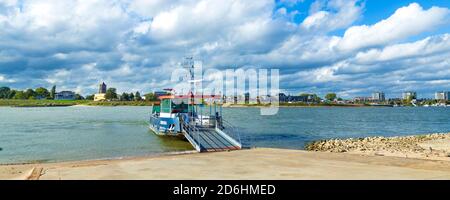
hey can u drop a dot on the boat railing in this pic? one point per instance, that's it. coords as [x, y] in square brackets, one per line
[192, 131]
[230, 130]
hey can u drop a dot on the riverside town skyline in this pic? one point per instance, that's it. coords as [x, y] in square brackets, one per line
[375, 96]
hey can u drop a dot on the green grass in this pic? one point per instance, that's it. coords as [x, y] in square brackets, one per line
[56, 103]
[118, 103]
[36, 103]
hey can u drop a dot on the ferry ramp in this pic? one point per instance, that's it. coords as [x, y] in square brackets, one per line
[212, 139]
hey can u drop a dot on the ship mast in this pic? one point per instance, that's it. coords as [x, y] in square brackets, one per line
[188, 64]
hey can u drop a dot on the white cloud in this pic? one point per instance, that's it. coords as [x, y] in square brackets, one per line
[4, 79]
[339, 14]
[421, 48]
[43, 25]
[405, 22]
[316, 19]
[199, 21]
[143, 27]
[150, 8]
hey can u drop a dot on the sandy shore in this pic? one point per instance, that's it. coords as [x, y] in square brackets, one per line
[260, 163]
[430, 146]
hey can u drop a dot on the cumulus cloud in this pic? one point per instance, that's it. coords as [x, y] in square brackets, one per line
[405, 22]
[134, 45]
[4, 79]
[338, 14]
[421, 48]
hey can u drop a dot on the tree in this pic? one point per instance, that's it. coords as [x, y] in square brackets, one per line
[124, 97]
[30, 94]
[311, 97]
[90, 97]
[20, 95]
[150, 97]
[4, 92]
[408, 100]
[53, 92]
[330, 96]
[42, 93]
[137, 96]
[111, 94]
[131, 96]
[316, 98]
[78, 97]
[11, 94]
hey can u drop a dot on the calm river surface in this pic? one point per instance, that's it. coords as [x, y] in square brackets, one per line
[78, 133]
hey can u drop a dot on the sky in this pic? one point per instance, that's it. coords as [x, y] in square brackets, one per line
[351, 47]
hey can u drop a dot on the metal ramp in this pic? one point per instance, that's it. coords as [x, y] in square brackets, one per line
[212, 139]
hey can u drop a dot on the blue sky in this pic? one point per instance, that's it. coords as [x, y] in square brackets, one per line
[351, 47]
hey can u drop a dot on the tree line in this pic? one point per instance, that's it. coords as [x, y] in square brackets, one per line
[38, 93]
[328, 97]
[41, 93]
[111, 94]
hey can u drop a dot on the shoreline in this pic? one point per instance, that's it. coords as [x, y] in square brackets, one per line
[260, 163]
[257, 163]
[434, 146]
[66, 103]
[326, 145]
[118, 158]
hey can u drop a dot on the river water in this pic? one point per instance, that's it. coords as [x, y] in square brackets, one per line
[53, 134]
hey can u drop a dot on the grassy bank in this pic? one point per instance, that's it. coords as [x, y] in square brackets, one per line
[37, 103]
[57, 103]
[117, 103]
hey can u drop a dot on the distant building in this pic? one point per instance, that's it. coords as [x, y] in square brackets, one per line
[247, 98]
[378, 96]
[362, 99]
[65, 95]
[101, 95]
[394, 99]
[282, 97]
[301, 98]
[409, 95]
[442, 95]
[40, 97]
[160, 93]
[102, 88]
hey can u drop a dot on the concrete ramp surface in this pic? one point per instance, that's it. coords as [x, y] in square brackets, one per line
[210, 139]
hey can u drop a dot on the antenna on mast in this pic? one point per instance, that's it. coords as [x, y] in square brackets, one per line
[188, 64]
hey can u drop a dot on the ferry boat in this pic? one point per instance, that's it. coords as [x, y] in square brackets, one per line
[197, 118]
